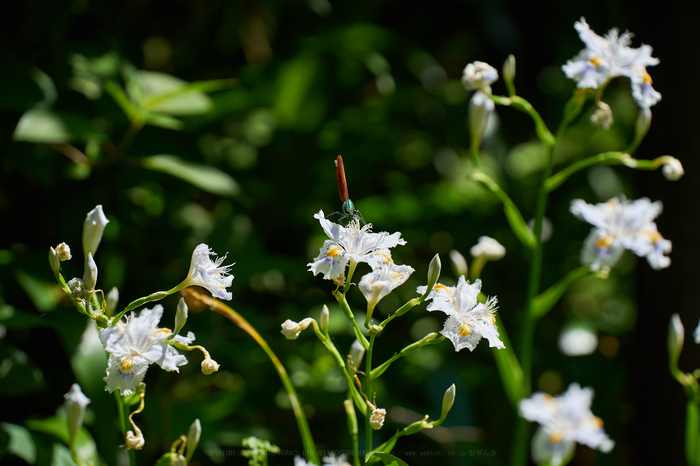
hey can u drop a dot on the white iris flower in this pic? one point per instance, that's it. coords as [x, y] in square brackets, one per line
[209, 274]
[607, 57]
[468, 320]
[135, 344]
[619, 225]
[564, 421]
[348, 244]
[385, 276]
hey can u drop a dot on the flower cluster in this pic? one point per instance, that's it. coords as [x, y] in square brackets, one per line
[564, 420]
[622, 224]
[467, 319]
[611, 56]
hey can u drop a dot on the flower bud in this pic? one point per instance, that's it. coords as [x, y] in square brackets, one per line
[376, 420]
[90, 273]
[180, 316]
[675, 339]
[479, 75]
[93, 227]
[76, 402]
[76, 287]
[459, 263]
[672, 169]
[433, 272]
[193, 436]
[54, 262]
[642, 124]
[509, 69]
[324, 318]
[209, 366]
[102, 321]
[112, 301]
[447, 401]
[480, 110]
[357, 352]
[135, 441]
[63, 252]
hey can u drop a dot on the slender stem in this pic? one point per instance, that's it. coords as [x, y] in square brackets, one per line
[233, 316]
[369, 392]
[122, 409]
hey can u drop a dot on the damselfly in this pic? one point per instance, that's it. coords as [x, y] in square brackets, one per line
[349, 210]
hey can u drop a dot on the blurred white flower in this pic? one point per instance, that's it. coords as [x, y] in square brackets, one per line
[480, 110]
[479, 75]
[333, 460]
[603, 116]
[564, 421]
[291, 329]
[376, 420]
[93, 227]
[209, 274]
[76, 402]
[468, 320]
[488, 248]
[348, 244]
[619, 225]
[135, 344]
[672, 169]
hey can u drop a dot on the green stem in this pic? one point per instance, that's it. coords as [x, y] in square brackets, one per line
[345, 307]
[352, 427]
[430, 339]
[302, 423]
[123, 411]
[369, 393]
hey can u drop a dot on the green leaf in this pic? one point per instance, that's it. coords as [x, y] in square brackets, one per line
[388, 459]
[293, 84]
[21, 442]
[43, 294]
[207, 178]
[40, 125]
[508, 366]
[57, 426]
[62, 456]
[89, 360]
[134, 114]
[546, 300]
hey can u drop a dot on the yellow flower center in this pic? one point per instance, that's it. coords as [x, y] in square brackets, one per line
[604, 242]
[556, 437]
[439, 287]
[334, 252]
[464, 329]
[595, 61]
[127, 363]
[655, 236]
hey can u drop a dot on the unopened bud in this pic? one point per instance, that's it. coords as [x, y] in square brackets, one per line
[291, 329]
[180, 316]
[357, 352]
[76, 402]
[447, 401]
[193, 436]
[102, 321]
[488, 248]
[209, 366]
[480, 109]
[324, 318]
[112, 301]
[459, 263]
[676, 338]
[76, 287]
[93, 227]
[433, 272]
[603, 116]
[509, 70]
[642, 124]
[54, 262]
[90, 273]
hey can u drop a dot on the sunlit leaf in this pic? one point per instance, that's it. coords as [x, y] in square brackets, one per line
[62, 456]
[21, 442]
[207, 178]
[46, 126]
[294, 82]
[43, 294]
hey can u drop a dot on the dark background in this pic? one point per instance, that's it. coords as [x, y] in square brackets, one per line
[281, 155]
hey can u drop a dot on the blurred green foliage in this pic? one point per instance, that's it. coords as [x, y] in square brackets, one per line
[218, 122]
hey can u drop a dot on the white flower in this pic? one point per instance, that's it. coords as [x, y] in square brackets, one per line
[564, 420]
[63, 252]
[480, 110]
[348, 244]
[619, 225]
[385, 276]
[299, 461]
[642, 91]
[468, 320]
[291, 329]
[209, 274]
[135, 344]
[376, 420]
[672, 169]
[209, 366]
[93, 227]
[479, 75]
[606, 57]
[76, 402]
[332, 460]
[488, 248]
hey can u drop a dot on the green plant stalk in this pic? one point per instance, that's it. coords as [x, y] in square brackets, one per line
[369, 393]
[122, 409]
[522, 430]
[433, 340]
[345, 307]
[302, 423]
[352, 428]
